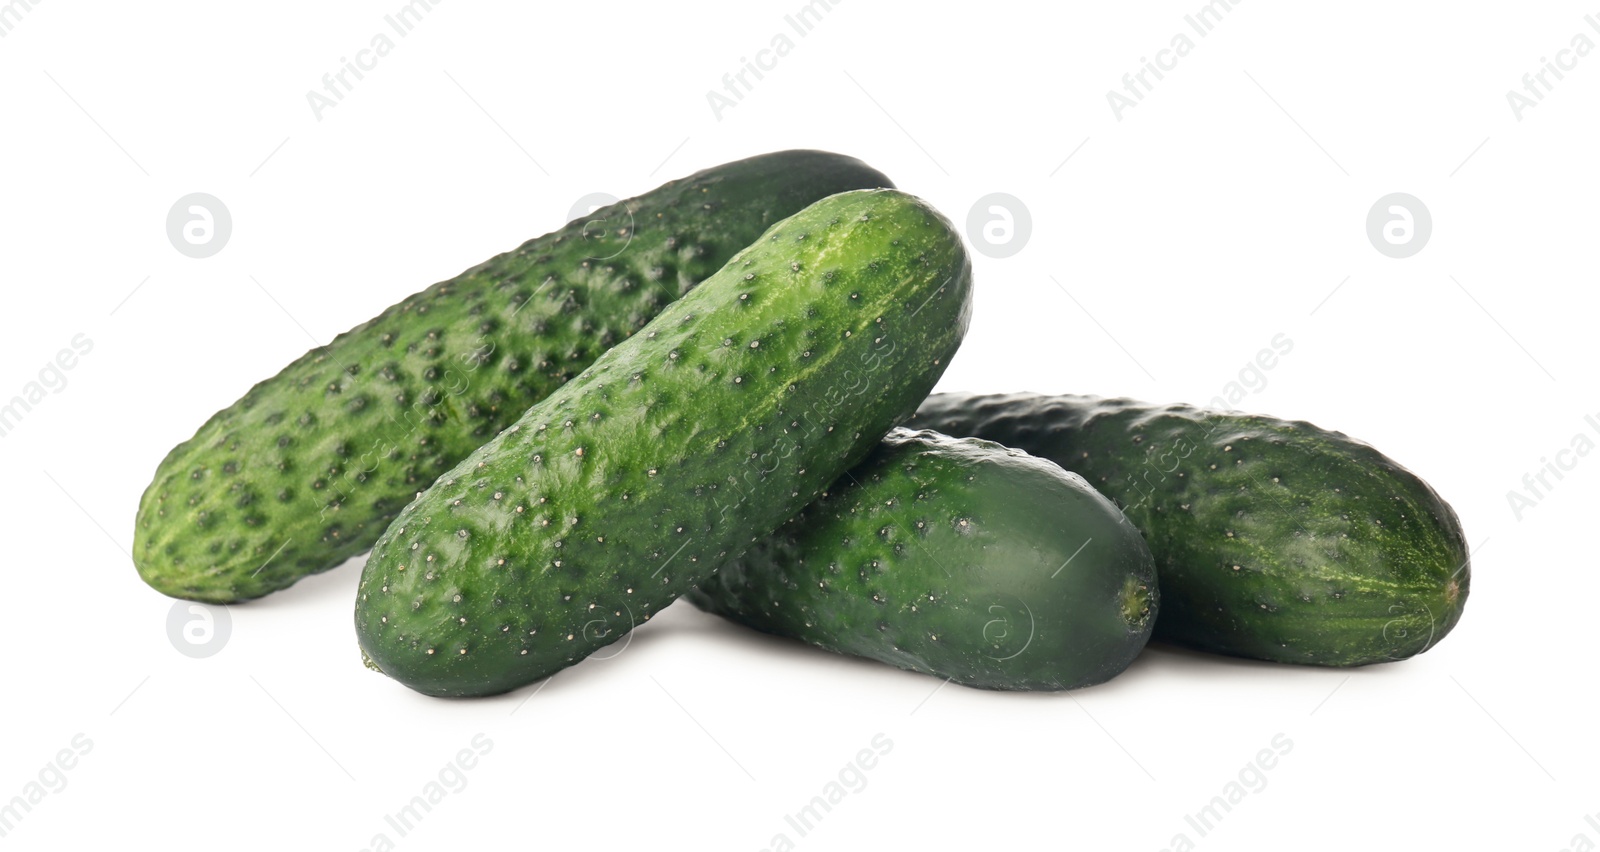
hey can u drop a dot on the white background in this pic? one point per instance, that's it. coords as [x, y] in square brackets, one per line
[1173, 244]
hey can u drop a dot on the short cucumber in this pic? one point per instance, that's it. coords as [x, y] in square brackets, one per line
[309, 466]
[675, 450]
[1275, 540]
[961, 559]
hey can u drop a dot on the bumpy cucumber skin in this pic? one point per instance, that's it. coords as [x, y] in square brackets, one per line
[958, 558]
[1274, 540]
[678, 448]
[309, 466]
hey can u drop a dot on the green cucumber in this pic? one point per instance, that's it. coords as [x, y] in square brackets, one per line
[961, 559]
[1274, 540]
[309, 466]
[677, 449]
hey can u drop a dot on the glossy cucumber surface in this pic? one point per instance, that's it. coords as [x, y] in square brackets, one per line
[957, 558]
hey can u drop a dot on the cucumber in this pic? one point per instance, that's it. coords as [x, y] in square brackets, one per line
[677, 449]
[1274, 540]
[961, 559]
[309, 466]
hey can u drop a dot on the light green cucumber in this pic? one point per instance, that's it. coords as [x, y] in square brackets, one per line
[309, 466]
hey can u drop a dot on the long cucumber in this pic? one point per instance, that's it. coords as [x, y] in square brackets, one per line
[675, 451]
[309, 466]
[1273, 539]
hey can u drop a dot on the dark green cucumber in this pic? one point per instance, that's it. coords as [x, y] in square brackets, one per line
[1275, 540]
[310, 465]
[677, 449]
[961, 559]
